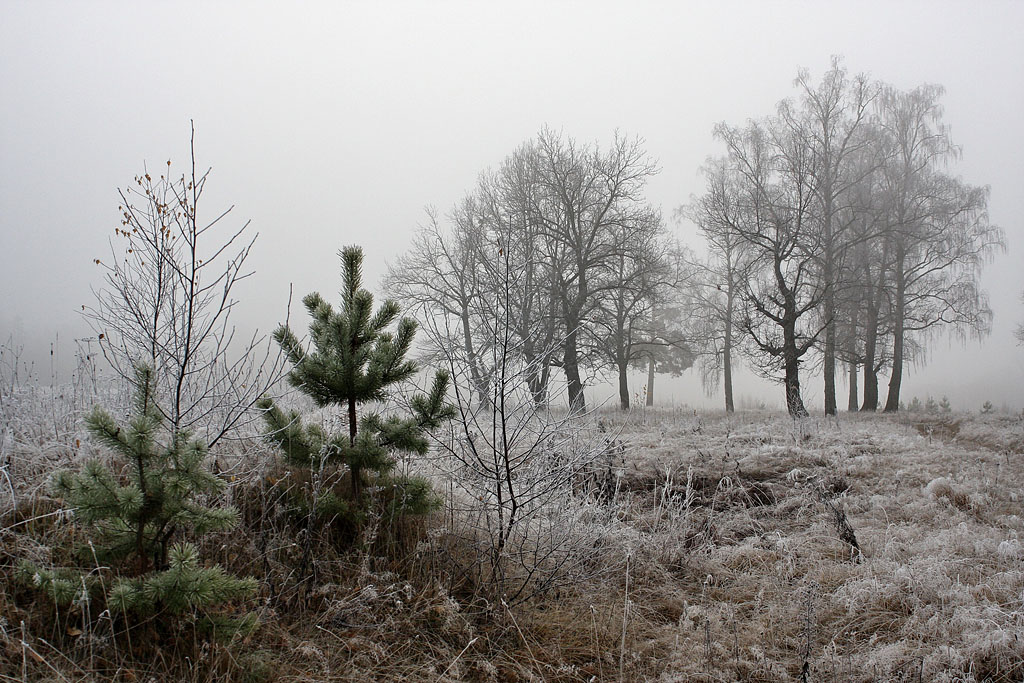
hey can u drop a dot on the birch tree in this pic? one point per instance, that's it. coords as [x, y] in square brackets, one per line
[938, 227]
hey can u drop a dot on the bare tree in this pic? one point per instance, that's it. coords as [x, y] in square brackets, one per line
[774, 177]
[718, 214]
[454, 272]
[586, 195]
[166, 303]
[857, 239]
[865, 274]
[938, 227]
[441, 276]
[640, 274]
[585, 248]
[829, 121]
[508, 198]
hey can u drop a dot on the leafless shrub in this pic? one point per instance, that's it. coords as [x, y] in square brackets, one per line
[514, 468]
[515, 473]
[166, 302]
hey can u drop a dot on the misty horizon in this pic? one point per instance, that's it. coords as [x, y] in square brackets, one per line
[340, 128]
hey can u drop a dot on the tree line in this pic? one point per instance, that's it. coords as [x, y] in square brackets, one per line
[560, 240]
[836, 234]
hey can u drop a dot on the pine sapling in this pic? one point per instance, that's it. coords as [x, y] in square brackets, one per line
[354, 360]
[133, 514]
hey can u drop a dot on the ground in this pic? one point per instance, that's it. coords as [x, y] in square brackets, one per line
[717, 548]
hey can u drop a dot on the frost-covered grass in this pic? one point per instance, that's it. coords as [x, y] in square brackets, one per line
[717, 553]
[937, 592]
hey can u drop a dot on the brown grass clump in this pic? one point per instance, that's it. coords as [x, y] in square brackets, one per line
[941, 489]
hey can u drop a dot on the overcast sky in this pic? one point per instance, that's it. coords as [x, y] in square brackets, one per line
[329, 124]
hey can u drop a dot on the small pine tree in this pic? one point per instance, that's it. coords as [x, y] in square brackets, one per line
[133, 516]
[354, 360]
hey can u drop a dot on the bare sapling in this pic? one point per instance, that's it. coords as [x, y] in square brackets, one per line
[166, 302]
[513, 465]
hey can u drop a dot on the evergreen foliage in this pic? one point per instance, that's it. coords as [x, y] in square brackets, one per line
[133, 515]
[354, 360]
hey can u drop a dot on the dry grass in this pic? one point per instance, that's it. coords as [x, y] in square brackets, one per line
[716, 556]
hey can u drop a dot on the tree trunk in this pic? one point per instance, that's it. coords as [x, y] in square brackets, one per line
[892, 402]
[623, 385]
[727, 353]
[870, 345]
[870, 404]
[794, 404]
[538, 384]
[571, 365]
[650, 383]
[790, 352]
[354, 471]
[831, 406]
[829, 301]
[852, 405]
[791, 362]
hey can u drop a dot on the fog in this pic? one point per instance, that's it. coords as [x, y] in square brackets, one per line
[337, 124]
